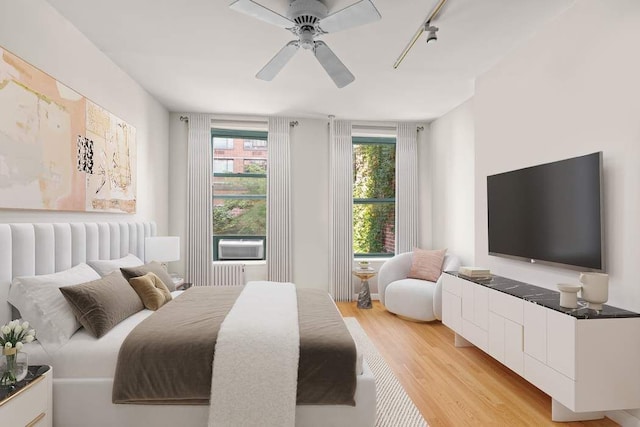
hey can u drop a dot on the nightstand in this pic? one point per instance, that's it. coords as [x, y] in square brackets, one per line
[180, 284]
[29, 402]
[183, 286]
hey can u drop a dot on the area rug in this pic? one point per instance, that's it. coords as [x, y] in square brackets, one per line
[394, 408]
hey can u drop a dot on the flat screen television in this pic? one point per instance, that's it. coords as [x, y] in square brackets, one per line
[551, 213]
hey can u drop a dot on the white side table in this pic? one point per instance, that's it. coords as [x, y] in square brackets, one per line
[30, 402]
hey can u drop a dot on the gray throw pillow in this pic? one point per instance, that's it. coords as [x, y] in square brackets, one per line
[152, 267]
[101, 304]
[106, 266]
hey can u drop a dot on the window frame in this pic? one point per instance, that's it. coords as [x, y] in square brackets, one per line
[236, 134]
[226, 148]
[225, 159]
[373, 140]
[252, 148]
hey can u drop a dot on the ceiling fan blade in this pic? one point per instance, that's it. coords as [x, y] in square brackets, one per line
[276, 64]
[340, 74]
[260, 12]
[360, 13]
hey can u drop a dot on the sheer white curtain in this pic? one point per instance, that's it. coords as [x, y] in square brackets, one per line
[340, 209]
[199, 215]
[407, 218]
[279, 257]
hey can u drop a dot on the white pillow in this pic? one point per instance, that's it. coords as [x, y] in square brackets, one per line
[104, 267]
[42, 304]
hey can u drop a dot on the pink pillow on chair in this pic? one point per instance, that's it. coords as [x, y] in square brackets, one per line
[427, 265]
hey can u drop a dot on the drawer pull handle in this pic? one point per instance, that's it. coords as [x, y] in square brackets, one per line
[36, 420]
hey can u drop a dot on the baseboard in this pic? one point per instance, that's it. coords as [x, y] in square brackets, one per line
[624, 418]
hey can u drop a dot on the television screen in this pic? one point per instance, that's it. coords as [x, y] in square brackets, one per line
[550, 212]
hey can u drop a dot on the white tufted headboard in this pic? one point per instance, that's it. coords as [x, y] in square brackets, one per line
[30, 249]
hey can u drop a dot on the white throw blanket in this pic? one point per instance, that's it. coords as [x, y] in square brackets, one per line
[255, 368]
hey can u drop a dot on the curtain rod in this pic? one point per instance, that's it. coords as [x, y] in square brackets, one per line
[373, 127]
[366, 127]
[292, 123]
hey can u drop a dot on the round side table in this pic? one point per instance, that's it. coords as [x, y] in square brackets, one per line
[364, 296]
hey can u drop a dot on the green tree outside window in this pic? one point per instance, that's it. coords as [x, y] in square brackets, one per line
[374, 172]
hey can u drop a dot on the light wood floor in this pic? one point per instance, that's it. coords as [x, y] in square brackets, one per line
[454, 386]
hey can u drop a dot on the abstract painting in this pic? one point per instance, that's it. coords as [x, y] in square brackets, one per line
[58, 150]
[110, 184]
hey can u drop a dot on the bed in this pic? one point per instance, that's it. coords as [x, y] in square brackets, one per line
[84, 367]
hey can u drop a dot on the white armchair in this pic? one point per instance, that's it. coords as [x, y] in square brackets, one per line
[413, 299]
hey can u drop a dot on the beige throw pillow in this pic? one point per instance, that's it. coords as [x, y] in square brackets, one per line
[427, 265]
[151, 290]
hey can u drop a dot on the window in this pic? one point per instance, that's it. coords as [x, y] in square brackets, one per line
[239, 197]
[222, 165]
[255, 144]
[374, 192]
[222, 143]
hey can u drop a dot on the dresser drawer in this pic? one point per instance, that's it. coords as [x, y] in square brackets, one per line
[550, 381]
[506, 306]
[452, 284]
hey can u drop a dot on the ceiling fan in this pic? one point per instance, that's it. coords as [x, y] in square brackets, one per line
[308, 19]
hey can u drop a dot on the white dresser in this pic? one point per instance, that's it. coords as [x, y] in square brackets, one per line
[587, 361]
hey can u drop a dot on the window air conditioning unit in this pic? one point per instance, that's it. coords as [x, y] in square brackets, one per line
[240, 249]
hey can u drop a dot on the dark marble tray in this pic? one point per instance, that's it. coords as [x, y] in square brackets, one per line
[34, 372]
[546, 297]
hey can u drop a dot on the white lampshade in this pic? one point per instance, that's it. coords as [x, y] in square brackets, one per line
[162, 249]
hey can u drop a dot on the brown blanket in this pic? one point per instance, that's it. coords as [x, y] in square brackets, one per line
[167, 358]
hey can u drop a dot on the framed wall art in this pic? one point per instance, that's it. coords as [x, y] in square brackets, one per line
[59, 150]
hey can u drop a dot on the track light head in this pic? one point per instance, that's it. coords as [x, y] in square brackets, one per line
[431, 35]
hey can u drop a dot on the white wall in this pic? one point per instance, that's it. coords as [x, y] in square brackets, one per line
[310, 203]
[452, 179]
[573, 89]
[310, 200]
[425, 186]
[37, 33]
[178, 132]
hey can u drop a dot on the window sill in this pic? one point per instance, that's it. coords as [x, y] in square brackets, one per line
[373, 260]
[247, 262]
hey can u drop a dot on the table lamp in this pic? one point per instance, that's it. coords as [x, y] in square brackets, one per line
[163, 249]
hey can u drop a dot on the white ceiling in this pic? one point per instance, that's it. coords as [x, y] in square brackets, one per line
[200, 56]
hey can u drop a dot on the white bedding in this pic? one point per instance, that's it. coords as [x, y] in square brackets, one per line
[85, 356]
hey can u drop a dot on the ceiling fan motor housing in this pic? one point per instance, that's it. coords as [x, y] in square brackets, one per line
[306, 12]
